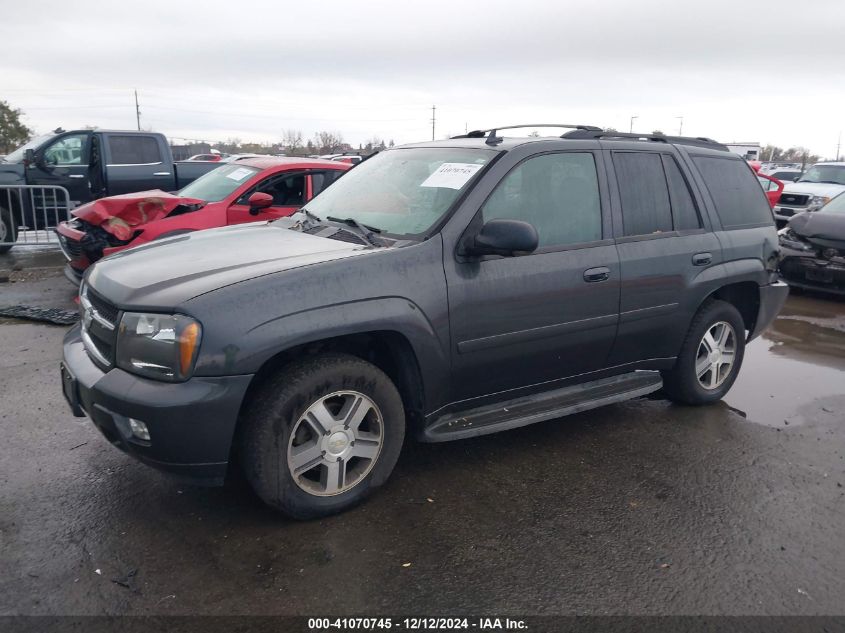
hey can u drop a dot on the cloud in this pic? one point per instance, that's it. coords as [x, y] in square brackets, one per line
[212, 68]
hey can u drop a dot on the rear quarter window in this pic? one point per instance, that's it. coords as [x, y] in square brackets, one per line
[739, 199]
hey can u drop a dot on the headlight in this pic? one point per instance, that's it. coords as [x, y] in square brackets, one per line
[817, 202]
[160, 346]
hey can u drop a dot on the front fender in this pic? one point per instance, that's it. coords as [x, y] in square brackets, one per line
[428, 340]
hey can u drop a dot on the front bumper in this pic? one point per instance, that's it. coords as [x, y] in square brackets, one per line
[191, 424]
[813, 273]
[785, 213]
[772, 298]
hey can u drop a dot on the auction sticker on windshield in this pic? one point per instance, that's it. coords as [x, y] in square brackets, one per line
[451, 175]
[239, 174]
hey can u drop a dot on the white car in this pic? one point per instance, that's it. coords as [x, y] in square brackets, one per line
[812, 191]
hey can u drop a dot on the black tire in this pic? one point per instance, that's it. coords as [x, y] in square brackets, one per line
[6, 231]
[681, 384]
[280, 403]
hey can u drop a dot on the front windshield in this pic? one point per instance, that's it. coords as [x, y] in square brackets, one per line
[218, 183]
[825, 173]
[403, 192]
[17, 155]
[837, 205]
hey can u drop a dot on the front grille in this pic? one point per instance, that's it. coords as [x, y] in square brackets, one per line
[72, 247]
[103, 307]
[99, 326]
[794, 199]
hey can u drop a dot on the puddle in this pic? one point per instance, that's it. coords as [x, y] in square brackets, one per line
[796, 367]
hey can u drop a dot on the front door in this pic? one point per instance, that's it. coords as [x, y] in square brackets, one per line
[288, 191]
[64, 163]
[532, 319]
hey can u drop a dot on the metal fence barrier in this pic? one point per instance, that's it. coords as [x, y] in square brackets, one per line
[29, 213]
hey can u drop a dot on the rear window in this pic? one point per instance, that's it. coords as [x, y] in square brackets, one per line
[133, 150]
[739, 199]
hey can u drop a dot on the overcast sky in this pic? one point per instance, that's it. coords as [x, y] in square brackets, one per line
[771, 71]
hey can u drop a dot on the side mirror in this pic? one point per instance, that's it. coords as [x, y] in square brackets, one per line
[504, 237]
[259, 200]
[29, 157]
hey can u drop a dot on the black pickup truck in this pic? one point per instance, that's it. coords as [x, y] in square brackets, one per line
[89, 164]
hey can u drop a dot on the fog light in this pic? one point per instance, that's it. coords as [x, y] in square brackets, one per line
[139, 429]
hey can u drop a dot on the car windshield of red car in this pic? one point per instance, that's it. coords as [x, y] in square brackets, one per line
[218, 183]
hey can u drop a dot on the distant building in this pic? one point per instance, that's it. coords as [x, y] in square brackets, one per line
[749, 151]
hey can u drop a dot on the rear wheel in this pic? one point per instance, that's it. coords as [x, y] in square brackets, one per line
[710, 356]
[321, 435]
[7, 240]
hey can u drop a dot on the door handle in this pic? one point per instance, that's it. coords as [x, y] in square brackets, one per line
[76, 176]
[702, 259]
[592, 275]
[162, 173]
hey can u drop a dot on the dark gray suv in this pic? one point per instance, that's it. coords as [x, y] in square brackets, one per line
[445, 290]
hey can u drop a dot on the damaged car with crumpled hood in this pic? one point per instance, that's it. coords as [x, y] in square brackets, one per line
[249, 190]
[813, 249]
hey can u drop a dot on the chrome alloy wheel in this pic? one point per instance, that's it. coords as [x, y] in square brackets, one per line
[335, 443]
[716, 353]
[4, 231]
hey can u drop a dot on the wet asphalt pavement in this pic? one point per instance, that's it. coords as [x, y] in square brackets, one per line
[639, 508]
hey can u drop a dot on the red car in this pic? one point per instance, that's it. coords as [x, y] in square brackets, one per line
[772, 186]
[231, 194]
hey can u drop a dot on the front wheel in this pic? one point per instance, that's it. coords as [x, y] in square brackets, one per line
[321, 435]
[7, 233]
[710, 356]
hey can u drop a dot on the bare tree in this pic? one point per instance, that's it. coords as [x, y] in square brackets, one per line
[292, 140]
[328, 142]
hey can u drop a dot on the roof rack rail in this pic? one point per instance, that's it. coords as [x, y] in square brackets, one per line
[493, 139]
[697, 141]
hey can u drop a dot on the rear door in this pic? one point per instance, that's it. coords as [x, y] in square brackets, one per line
[528, 320]
[664, 244]
[288, 191]
[137, 162]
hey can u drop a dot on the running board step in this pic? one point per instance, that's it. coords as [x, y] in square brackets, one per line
[544, 406]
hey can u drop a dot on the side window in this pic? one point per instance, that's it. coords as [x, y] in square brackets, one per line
[287, 190]
[557, 193]
[732, 185]
[69, 150]
[645, 197]
[320, 180]
[683, 206]
[133, 150]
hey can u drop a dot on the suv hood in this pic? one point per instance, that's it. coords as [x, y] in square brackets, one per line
[166, 273]
[814, 188]
[119, 215]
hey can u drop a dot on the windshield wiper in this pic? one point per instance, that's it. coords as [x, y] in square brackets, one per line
[367, 232]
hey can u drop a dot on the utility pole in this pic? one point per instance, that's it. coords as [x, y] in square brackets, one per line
[631, 127]
[681, 125]
[137, 112]
[838, 144]
[433, 119]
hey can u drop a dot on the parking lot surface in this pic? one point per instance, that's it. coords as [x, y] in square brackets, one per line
[638, 508]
